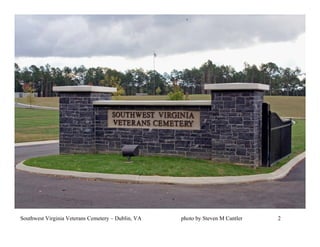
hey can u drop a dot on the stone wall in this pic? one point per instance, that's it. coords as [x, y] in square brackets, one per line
[230, 124]
[188, 143]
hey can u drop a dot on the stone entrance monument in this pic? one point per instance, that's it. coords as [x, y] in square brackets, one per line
[226, 128]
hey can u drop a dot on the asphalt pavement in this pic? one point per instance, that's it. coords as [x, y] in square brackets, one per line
[23, 152]
[43, 191]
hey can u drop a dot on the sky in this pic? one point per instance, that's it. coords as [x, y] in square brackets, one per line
[163, 42]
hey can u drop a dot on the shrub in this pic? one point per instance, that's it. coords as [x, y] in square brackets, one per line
[176, 93]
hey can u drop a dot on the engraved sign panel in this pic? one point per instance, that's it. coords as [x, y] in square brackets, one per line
[145, 119]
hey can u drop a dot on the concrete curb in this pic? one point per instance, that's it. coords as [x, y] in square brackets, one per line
[36, 107]
[23, 144]
[278, 174]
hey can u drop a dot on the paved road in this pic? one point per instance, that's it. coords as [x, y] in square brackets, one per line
[41, 191]
[20, 105]
[26, 152]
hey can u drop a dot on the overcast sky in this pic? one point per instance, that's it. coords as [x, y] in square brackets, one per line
[180, 41]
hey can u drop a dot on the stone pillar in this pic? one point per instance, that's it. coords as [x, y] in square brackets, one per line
[77, 120]
[237, 122]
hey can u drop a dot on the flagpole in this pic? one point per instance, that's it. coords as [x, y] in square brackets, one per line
[154, 73]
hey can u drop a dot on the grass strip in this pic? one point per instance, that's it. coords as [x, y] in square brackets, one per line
[142, 165]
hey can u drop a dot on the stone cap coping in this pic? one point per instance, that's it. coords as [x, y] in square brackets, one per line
[154, 102]
[236, 86]
[84, 89]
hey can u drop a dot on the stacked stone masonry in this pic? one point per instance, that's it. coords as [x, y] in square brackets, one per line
[237, 117]
[77, 131]
[230, 127]
[188, 143]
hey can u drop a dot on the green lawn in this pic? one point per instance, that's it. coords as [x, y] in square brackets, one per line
[145, 165]
[36, 125]
[298, 136]
[141, 165]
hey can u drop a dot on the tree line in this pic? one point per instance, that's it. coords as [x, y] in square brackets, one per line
[282, 81]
